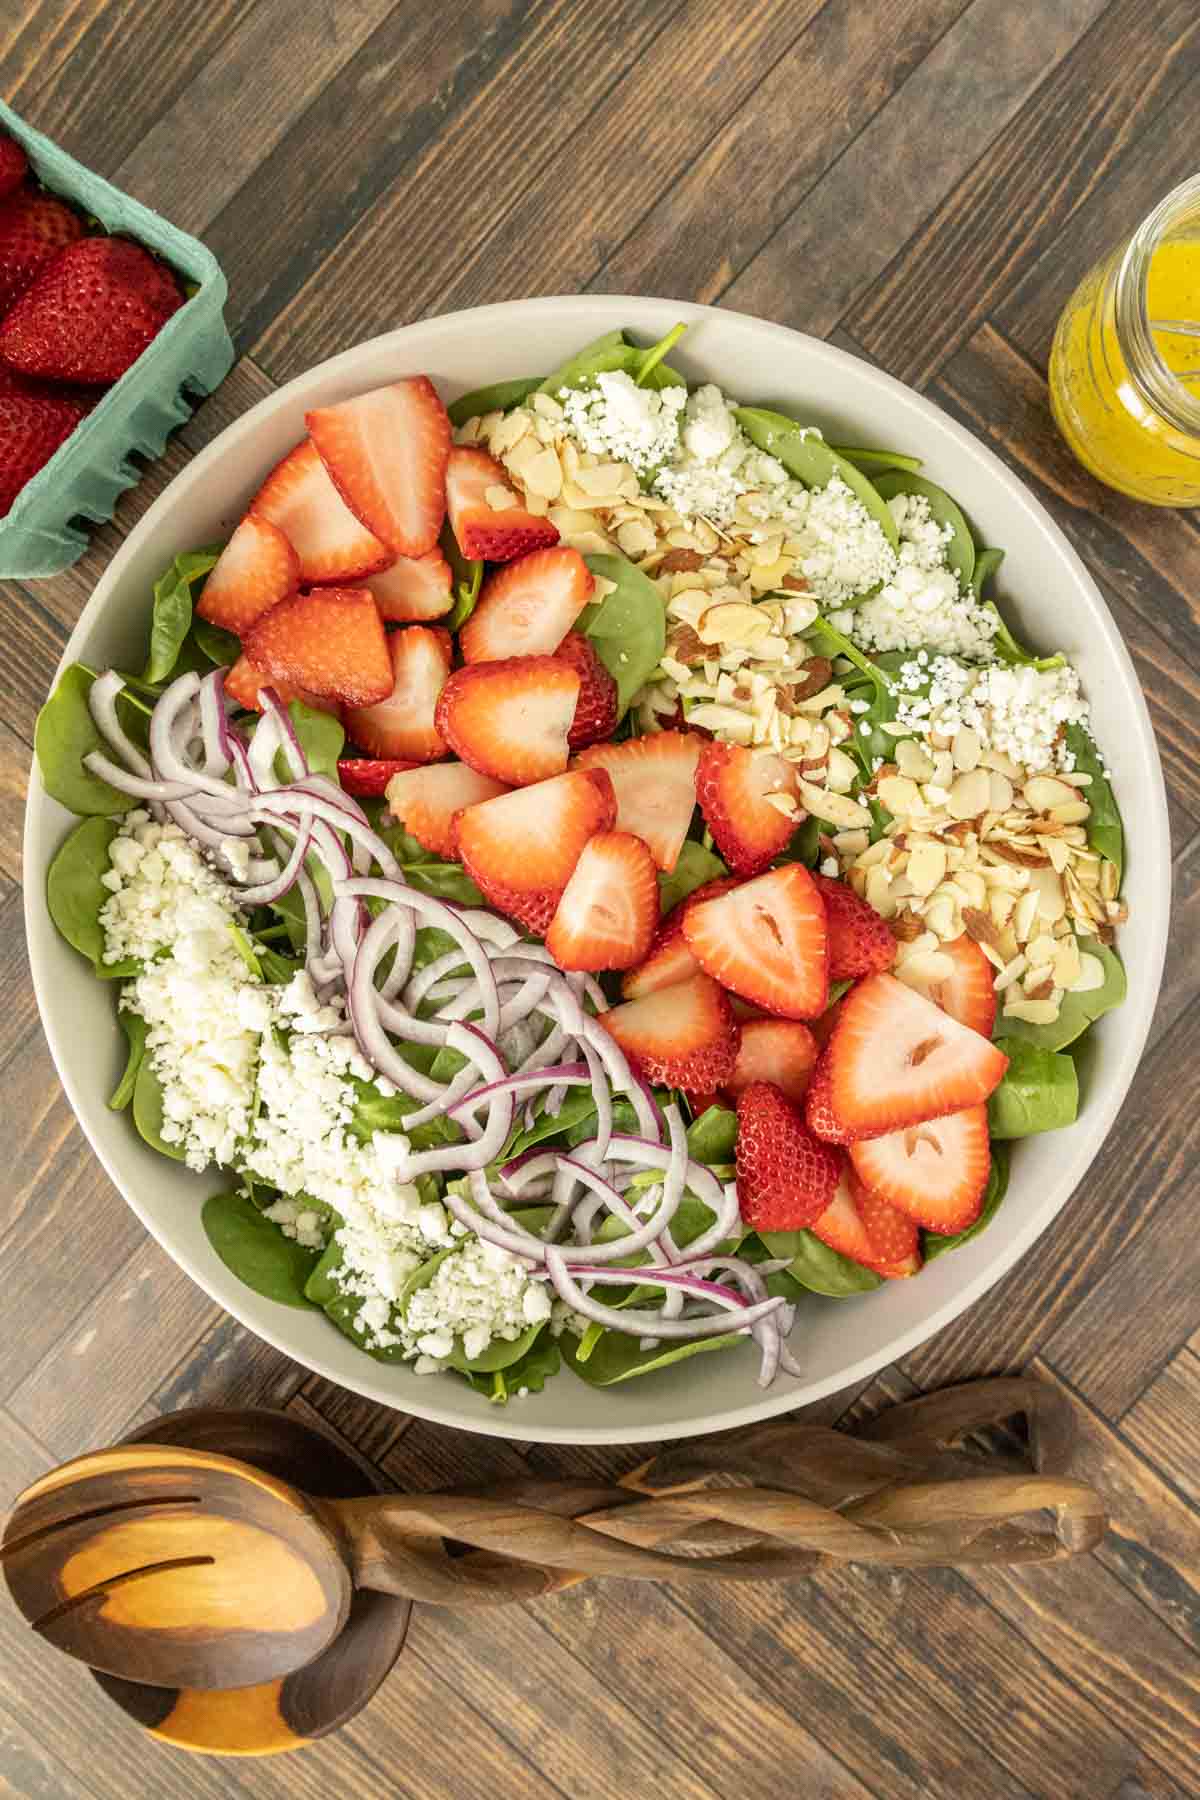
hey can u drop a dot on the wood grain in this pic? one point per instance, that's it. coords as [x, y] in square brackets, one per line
[1161, 1424]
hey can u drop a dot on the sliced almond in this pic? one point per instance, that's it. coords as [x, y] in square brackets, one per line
[1072, 812]
[604, 478]
[733, 622]
[1091, 974]
[969, 794]
[835, 809]
[841, 772]
[899, 795]
[1010, 973]
[966, 749]
[1000, 791]
[1040, 950]
[879, 893]
[1067, 963]
[913, 761]
[1026, 911]
[508, 433]
[1110, 880]
[783, 803]
[499, 498]
[1051, 900]
[636, 538]
[1034, 1012]
[926, 867]
[728, 721]
[1044, 791]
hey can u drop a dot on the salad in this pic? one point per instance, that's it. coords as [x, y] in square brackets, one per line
[591, 867]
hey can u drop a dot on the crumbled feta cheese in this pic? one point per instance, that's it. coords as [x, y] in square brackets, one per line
[1016, 710]
[620, 421]
[160, 887]
[479, 1293]
[922, 602]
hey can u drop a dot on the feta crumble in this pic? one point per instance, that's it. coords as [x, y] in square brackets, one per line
[1018, 711]
[618, 419]
[922, 602]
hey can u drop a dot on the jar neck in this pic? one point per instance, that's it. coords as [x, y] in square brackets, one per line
[1158, 386]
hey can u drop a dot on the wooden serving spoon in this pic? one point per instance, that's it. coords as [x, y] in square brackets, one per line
[177, 1566]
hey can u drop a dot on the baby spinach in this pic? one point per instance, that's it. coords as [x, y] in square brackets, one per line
[617, 1356]
[650, 368]
[934, 1244]
[816, 1267]
[987, 562]
[374, 1112]
[1105, 833]
[501, 1353]
[960, 547]
[578, 1108]
[806, 456]
[466, 575]
[215, 644]
[609, 351]
[320, 1287]
[320, 736]
[627, 627]
[1039, 1092]
[148, 1110]
[257, 1251]
[531, 1371]
[501, 396]
[867, 681]
[343, 1310]
[444, 881]
[134, 1027]
[75, 893]
[63, 736]
[712, 1136]
[1077, 1011]
[866, 460]
[171, 619]
[693, 867]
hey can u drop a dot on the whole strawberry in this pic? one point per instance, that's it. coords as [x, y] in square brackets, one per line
[90, 313]
[32, 426]
[596, 708]
[13, 166]
[33, 229]
[785, 1176]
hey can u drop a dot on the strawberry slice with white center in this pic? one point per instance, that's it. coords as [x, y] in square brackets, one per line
[732, 785]
[331, 642]
[655, 779]
[896, 1059]
[329, 541]
[936, 1172]
[255, 571]
[860, 1225]
[782, 1051]
[428, 800]
[386, 452]
[527, 607]
[521, 849]
[606, 917]
[766, 940]
[244, 681]
[510, 719]
[403, 723]
[682, 1036]
[414, 588]
[487, 532]
[669, 960]
[958, 977]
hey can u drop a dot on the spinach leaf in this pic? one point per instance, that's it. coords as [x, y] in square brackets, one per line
[275, 967]
[816, 1267]
[501, 396]
[343, 1310]
[134, 1027]
[172, 617]
[374, 1112]
[804, 845]
[987, 562]
[711, 1137]
[650, 368]
[933, 1243]
[870, 682]
[1077, 1011]
[693, 867]
[615, 1356]
[627, 627]
[531, 1371]
[257, 1251]
[960, 548]
[321, 739]
[63, 736]
[320, 1287]
[148, 1111]
[501, 1353]
[610, 351]
[578, 1108]
[466, 574]
[806, 456]
[444, 881]
[1039, 1092]
[1105, 832]
[75, 893]
[866, 460]
[215, 644]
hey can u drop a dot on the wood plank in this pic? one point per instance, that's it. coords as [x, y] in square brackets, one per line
[673, 248]
[1014, 202]
[226, 1366]
[28, 1771]
[906, 160]
[1181, 977]
[33, 641]
[371, 1428]
[20, 1015]
[14, 774]
[424, 1457]
[1161, 1424]
[1093, 1243]
[35, 41]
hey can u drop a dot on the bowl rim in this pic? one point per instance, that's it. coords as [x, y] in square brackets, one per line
[1137, 1011]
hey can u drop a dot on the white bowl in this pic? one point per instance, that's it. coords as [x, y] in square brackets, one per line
[1057, 605]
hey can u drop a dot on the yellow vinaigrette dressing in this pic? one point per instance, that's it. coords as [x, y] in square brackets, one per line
[1124, 378]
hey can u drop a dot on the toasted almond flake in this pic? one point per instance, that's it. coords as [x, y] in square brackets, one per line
[850, 843]
[879, 893]
[969, 794]
[1091, 974]
[1051, 900]
[1010, 972]
[899, 795]
[1073, 812]
[635, 537]
[966, 749]
[912, 760]
[508, 433]
[1000, 792]
[1034, 1012]
[926, 867]
[842, 772]
[1067, 962]
[1044, 791]
[1058, 852]
[943, 917]
[783, 803]
[835, 809]
[1040, 950]
[729, 721]
[732, 622]
[467, 432]
[499, 498]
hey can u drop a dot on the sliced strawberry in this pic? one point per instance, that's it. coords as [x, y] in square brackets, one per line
[331, 642]
[842, 1226]
[299, 497]
[527, 607]
[34, 227]
[669, 960]
[369, 775]
[414, 588]
[781, 1051]
[766, 940]
[967, 992]
[895, 1236]
[484, 532]
[896, 1059]
[256, 570]
[427, 801]
[607, 914]
[819, 1115]
[785, 1176]
[244, 680]
[510, 719]
[14, 165]
[598, 703]
[936, 1172]
[683, 1036]
[655, 778]
[386, 452]
[732, 785]
[859, 940]
[521, 849]
[403, 724]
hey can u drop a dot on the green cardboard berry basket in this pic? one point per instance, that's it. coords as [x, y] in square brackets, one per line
[43, 531]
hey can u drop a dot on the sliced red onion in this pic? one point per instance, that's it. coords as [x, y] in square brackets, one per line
[480, 1219]
[102, 704]
[372, 1039]
[565, 1074]
[636, 1323]
[462, 1158]
[492, 929]
[138, 787]
[214, 724]
[604, 1106]
[267, 891]
[290, 800]
[306, 887]
[288, 742]
[436, 912]
[165, 753]
[243, 774]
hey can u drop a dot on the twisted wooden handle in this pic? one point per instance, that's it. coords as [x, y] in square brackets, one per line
[782, 1499]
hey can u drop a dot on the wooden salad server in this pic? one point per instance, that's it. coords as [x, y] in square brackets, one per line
[171, 1565]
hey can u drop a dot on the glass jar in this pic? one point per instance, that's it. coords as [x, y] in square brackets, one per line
[1124, 385]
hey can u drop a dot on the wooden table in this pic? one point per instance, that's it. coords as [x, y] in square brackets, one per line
[923, 183]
